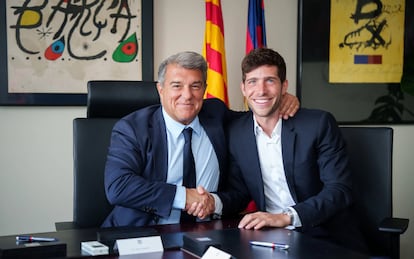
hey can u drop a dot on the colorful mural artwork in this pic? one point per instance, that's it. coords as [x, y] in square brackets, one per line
[366, 41]
[56, 46]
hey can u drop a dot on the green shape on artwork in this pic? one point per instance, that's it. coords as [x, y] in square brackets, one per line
[126, 50]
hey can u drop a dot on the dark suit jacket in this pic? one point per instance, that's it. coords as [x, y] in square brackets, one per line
[316, 168]
[136, 168]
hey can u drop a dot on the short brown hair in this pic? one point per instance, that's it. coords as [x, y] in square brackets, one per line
[263, 56]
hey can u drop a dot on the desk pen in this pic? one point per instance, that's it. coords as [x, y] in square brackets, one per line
[269, 244]
[36, 239]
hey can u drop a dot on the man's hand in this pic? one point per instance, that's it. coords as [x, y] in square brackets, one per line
[289, 106]
[261, 219]
[199, 203]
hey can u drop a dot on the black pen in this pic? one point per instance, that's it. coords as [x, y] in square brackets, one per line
[36, 239]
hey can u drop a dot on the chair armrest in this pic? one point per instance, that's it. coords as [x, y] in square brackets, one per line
[394, 225]
[66, 225]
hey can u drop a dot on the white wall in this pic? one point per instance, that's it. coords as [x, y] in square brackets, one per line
[36, 142]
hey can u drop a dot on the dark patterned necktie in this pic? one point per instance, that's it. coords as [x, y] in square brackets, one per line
[189, 173]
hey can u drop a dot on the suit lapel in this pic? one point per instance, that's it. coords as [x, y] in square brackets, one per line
[216, 134]
[288, 149]
[159, 145]
[252, 162]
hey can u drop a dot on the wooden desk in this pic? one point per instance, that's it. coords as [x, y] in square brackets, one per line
[233, 240]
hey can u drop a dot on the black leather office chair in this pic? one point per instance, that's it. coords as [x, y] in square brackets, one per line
[108, 101]
[370, 154]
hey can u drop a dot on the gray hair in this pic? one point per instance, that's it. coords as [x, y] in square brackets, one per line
[188, 60]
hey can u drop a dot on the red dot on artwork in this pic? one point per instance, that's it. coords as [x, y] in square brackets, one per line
[51, 55]
[129, 48]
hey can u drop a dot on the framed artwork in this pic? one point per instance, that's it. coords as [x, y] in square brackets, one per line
[356, 59]
[50, 49]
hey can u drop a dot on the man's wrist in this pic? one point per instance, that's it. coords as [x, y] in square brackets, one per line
[180, 197]
[295, 219]
[218, 205]
[289, 213]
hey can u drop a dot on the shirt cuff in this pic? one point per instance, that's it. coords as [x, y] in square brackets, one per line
[218, 204]
[179, 198]
[296, 220]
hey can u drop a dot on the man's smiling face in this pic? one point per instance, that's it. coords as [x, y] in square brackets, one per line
[263, 90]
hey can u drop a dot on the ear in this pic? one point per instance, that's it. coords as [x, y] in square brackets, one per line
[285, 86]
[205, 88]
[243, 88]
[160, 89]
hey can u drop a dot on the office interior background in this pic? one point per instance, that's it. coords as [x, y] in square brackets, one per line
[36, 166]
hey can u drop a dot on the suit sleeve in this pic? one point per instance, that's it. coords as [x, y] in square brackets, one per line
[130, 179]
[334, 176]
[234, 194]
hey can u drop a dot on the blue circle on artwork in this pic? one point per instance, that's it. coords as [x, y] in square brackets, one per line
[58, 47]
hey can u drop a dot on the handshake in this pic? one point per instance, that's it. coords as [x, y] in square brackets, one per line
[199, 202]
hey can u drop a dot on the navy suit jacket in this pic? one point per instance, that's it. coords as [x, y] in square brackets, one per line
[316, 169]
[137, 163]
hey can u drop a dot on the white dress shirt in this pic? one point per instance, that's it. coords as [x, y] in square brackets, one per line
[276, 190]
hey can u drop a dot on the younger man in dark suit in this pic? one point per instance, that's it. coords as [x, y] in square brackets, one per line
[295, 170]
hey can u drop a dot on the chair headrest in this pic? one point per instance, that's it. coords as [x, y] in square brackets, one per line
[115, 99]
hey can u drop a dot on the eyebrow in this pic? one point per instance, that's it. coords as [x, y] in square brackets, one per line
[192, 83]
[175, 82]
[197, 82]
[266, 77]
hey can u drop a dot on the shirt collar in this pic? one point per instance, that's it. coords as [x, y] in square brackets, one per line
[277, 131]
[175, 128]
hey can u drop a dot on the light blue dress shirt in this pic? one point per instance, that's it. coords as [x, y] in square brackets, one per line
[205, 158]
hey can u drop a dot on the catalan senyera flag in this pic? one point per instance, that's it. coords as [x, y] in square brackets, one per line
[256, 28]
[214, 53]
